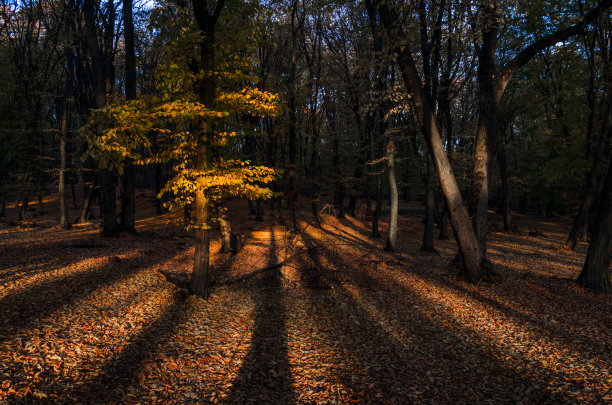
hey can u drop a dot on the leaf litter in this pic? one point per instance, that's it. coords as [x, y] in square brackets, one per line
[86, 319]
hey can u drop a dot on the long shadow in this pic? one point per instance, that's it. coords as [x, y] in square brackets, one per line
[120, 373]
[575, 341]
[43, 299]
[424, 365]
[346, 237]
[265, 375]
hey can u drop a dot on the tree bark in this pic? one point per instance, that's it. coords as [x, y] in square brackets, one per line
[391, 244]
[64, 222]
[595, 274]
[206, 24]
[100, 85]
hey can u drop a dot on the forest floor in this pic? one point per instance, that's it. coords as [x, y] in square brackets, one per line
[91, 319]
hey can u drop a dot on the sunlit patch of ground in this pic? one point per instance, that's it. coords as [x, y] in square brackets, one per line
[90, 319]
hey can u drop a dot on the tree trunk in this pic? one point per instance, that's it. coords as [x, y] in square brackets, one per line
[128, 189]
[378, 208]
[466, 237]
[158, 186]
[23, 209]
[64, 222]
[228, 239]
[391, 244]
[430, 206]
[101, 84]
[109, 203]
[595, 274]
[207, 86]
[505, 193]
[90, 196]
[292, 194]
[444, 224]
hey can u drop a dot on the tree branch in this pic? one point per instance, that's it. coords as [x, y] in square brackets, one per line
[524, 56]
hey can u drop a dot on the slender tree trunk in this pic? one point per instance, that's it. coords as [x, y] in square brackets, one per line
[391, 244]
[158, 186]
[595, 274]
[444, 224]
[64, 222]
[23, 209]
[592, 184]
[128, 189]
[73, 194]
[378, 208]
[228, 239]
[430, 203]
[292, 194]
[505, 193]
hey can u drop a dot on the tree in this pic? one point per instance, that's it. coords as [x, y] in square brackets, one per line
[192, 116]
[595, 274]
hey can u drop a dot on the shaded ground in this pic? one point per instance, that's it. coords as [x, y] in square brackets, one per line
[85, 319]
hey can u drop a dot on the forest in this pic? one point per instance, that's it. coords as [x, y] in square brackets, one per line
[305, 201]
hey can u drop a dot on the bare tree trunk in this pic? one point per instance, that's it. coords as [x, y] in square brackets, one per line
[444, 224]
[64, 222]
[430, 202]
[292, 194]
[595, 274]
[391, 244]
[505, 193]
[23, 209]
[158, 186]
[128, 189]
[228, 239]
[378, 208]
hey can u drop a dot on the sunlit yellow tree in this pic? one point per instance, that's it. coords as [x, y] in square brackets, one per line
[194, 120]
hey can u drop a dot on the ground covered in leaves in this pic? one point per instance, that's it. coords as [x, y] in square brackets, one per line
[87, 319]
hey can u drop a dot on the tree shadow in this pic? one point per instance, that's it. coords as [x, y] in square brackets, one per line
[119, 374]
[265, 375]
[438, 347]
[43, 299]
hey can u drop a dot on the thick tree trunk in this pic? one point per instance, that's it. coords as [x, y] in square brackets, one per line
[109, 203]
[430, 206]
[595, 274]
[206, 24]
[466, 237]
[90, 195]
[391, 244]
[101, 83]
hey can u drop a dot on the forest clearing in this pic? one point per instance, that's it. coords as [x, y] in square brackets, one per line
[90, 319]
